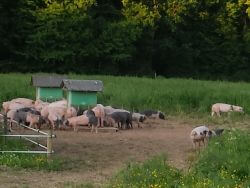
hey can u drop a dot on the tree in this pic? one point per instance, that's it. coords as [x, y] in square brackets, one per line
[16, 24]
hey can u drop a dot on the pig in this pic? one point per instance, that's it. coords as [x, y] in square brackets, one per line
[215, 132]
[82, 120]
[16, 104]
[153, 114]
[61, 103]
[137, 117]
[10, 116]
[57, 113]
[120, 117]
[45, 112]
[80, 111]
[67, 112]
[20, 117]
[24, 101]
[5, 106]
[89, 113]
[221, 107]
[200, 134]
[12, 106]
[218, 132]
[39, 105]
[31, 110]
[55, 119]
[110, 110]
[34, 120]
[70, 112]
[99, 113]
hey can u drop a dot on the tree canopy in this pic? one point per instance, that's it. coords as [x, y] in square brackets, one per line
[205, 39]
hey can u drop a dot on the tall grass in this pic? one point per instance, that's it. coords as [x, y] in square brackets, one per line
[173, 96]
[224, 163]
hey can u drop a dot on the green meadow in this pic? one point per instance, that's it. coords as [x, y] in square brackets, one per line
[172, 96]
[224, 163]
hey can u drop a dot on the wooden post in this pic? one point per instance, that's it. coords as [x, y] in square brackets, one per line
[49, 144]
[5, 127]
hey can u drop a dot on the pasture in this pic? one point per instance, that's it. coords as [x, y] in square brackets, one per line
[93, 160]
[173, 96]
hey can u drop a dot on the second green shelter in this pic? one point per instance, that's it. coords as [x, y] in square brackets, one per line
[82, 93]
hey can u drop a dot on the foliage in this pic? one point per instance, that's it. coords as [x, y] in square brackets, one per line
[184, 38]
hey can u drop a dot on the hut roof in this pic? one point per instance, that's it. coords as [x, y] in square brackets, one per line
[47, 81]
[82, 85]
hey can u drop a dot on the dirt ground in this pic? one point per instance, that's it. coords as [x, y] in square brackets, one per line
[95, 158]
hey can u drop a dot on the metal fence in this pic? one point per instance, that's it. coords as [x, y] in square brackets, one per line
[42, 135]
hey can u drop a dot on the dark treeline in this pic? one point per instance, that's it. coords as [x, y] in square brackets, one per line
[205, 39]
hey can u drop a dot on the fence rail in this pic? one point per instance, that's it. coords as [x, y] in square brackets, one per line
[27, 137]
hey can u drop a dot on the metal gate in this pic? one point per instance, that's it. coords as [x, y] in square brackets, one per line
[40, 134]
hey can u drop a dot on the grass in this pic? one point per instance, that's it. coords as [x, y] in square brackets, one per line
[224, 163]
[173, 96]
[153, 173]
[75, 185]
[27, 161]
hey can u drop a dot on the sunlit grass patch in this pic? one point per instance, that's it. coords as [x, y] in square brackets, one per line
[153, 173]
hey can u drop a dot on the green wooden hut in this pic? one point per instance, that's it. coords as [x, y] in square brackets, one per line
[48, 87]
[82, 93]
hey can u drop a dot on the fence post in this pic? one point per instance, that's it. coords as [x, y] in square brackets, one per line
[5, 127]
[49, 143]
